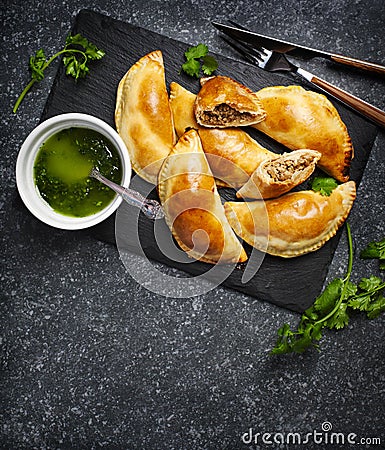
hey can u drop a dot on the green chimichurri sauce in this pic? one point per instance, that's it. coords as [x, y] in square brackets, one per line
[62, 167]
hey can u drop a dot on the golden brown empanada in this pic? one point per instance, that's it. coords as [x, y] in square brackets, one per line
[224, 102]
[298, 118]
[143, 116]
[232, 154]
[279, 175]
[182, 107]
[299, 222]
[192, 206]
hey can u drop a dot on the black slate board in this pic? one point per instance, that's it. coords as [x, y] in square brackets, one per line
[291, 283]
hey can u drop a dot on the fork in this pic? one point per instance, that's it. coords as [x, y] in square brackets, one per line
[277, 62]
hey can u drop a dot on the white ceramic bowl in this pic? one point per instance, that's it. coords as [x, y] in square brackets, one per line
[26, 158]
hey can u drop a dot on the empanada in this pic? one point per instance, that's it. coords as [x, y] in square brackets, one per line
[281, 174]
[143, 116]
[182, 107]
[299, 222]
[224, 102]
[192, 206]
[298, 118]
[232, 154]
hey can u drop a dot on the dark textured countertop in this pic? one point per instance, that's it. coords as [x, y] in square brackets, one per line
[91, 359]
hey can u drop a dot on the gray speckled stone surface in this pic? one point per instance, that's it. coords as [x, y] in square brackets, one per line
[91, 359]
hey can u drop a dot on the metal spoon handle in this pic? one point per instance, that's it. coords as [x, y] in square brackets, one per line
[151, 208]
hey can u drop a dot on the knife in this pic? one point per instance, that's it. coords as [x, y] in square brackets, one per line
[289, 48]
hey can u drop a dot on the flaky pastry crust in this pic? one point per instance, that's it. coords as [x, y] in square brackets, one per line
[192, 206]
[299, 222]
[143, 116]
[298, 118]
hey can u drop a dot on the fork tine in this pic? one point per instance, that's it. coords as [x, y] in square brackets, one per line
[240, 50]
[249, 53]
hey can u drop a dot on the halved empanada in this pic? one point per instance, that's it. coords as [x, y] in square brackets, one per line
[299, 222]
[192, 206]
[232, 154]
[224, 102]
[279, 175]
[143, 116]
[299, 119]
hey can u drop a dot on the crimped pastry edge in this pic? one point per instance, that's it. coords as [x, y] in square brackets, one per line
[350, 189]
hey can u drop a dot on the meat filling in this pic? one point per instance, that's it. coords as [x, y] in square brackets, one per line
[283, 169]
[223, 114]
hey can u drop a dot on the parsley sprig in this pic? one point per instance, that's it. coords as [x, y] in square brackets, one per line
[331, 309]
[77, 53]
[197, 58]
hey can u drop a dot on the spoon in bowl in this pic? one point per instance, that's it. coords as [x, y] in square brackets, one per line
[151, 208]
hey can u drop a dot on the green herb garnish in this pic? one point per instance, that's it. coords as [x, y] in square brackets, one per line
[331, 309]
[77, 52]
[324, 185]
[375, 250]
[197, 58]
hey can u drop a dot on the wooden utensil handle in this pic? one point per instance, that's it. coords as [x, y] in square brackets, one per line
[366, 109]
[372, 67]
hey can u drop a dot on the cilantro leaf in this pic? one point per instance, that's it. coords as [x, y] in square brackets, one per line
[209, 65]
[332, 307]
[36, 65]
[197, 59]
[74, 67]
[369, 289]
[360, 302]
[192, 67]
[197, 52]
[311, 314]
[297, 341]
[77, 39]
[284, 337]
[324, 185]
[339, 319]
[376, 308]
[76, 54]
[316, 334]
[375, 250]
[368, 284]
[350, 290]
[89, 49]
[302, 343]
[325, 302]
